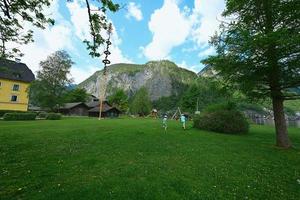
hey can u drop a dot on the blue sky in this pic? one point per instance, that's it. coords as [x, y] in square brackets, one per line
[144, 30]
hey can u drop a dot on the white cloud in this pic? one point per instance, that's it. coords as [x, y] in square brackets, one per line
[134, 11]
[207, 52]
[61, 37]
[47, 41]
[205, 19]
[79, 74]
[193, 68]
[172, 27]
[169, 27]
[79, 19]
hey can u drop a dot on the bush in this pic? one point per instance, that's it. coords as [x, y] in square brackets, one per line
[19, 116]
[221, 106]
[2, 112]
[222, 121]
[42, 115]
[53, 116]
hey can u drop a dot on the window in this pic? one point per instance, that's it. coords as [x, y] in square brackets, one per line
[16, 87]
[14, 98]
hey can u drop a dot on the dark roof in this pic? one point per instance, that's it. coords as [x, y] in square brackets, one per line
[105, 108]
[72, 105]
[15, 71]
[93, 104]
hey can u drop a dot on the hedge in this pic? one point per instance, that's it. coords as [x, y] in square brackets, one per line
[2, 112]
[53, 116]
[19, 116]
[42, 115]
[222, 121]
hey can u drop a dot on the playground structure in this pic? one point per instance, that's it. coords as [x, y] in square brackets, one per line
[176, 113]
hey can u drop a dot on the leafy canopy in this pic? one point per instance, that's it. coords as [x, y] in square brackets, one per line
[15, 14]
[141, 103]
[258, 49]
[76, 95]
[120, 99]
[49, 90]
[206, 91]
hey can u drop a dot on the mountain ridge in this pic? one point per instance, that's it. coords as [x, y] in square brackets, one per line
[161, 79]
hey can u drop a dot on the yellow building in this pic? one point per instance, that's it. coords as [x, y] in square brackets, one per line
[15, 78]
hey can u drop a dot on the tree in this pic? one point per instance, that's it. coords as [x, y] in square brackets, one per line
[141, 103]
[258, 51]
[12, 18]
[120, 99]
[76, 95]
[206, 91]
[49, 89]
[15, 14]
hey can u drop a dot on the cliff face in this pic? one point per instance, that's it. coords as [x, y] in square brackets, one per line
[161, 79]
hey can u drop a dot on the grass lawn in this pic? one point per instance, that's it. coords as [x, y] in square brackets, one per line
[80, 158]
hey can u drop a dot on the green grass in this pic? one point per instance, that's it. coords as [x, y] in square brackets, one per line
[293, 105]
[80, 158]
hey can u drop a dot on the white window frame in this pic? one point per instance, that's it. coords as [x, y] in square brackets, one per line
[13, 87]
[17, 98]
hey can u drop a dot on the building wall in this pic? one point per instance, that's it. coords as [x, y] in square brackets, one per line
[6, 93]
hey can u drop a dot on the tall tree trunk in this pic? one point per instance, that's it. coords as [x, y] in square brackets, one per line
[282, 138]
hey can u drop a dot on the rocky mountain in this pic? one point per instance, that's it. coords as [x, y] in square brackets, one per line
[161, 79]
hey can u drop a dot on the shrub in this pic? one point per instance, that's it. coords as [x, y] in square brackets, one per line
[222, 121]
[2, 112]
[221, 106]
[42, 115]
[18, 116]
[53, 116]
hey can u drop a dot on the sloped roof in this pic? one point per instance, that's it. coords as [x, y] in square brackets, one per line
[15, 71]
[72, 105]
[105, 108]
[93, 104]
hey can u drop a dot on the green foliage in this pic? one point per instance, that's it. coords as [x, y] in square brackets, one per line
[263, 58]
[251, 106]
[165, 104]
[14, 15]
[222, 121]
[76, 95]
[42, 115]
[258, 52]
[293, 105]
[119, 99]
[98, 23]
[49, 90]
[18, 13]
[2, 112]
[229, 105]
[207, 91]
[19, 116]
[53, 116]
[141, 103]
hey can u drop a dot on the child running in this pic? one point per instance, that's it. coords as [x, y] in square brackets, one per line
[165, 126]
[182, 120]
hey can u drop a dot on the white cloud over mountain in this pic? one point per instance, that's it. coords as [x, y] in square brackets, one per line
[172, 27]
[169, 27]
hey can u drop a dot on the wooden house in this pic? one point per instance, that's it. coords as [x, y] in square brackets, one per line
[74, 109]
[107, 110]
